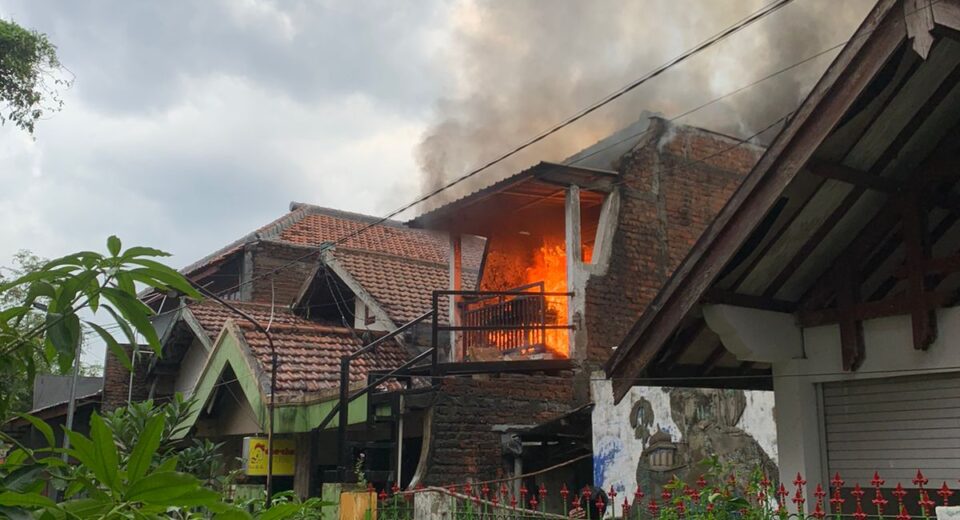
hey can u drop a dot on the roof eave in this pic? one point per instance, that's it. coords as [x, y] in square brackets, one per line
[874, 42]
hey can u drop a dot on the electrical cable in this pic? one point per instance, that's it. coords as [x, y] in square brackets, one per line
[716, 38]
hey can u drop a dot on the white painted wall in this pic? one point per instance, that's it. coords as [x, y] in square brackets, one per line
[889, 352]
[190, 368]
[616, 450]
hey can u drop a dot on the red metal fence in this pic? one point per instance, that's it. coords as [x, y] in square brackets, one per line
[711, 496]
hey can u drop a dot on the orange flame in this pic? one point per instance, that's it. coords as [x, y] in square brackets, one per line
[550, 267]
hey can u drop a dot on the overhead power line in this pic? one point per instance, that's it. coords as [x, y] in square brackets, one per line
[703, 45]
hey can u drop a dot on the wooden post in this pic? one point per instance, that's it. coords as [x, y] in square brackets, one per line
[305, 470]
[917, 244]
[851, 327]
[456, 284]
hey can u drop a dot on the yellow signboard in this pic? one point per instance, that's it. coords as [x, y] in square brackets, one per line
[255, 456]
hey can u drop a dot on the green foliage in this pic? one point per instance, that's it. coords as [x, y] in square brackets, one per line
[48, 301]
[16, 374]
[114, 475]
[28, 66]
[718, 495]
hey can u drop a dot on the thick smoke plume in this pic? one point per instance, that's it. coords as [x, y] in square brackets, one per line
[522, 66]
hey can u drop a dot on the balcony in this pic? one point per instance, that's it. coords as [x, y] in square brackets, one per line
[526, 323]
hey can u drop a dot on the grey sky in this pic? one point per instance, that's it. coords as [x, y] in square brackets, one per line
[191, 123]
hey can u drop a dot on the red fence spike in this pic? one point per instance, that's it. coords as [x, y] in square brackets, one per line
[653, 507]
[533, 502]
[542, 491]
[920, 480]
[564, 492]
[899, 492]
[877, 482]
[799, 482]
[666, 495]
[612, 494]
[926, 505]
[638, 495]
[625, 507]
[945, 493]
[383, 495]
[701, 482]
[879, 501]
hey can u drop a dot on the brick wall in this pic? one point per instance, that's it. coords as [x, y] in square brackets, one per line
[116, 381]
[286, 284]
[674, 185]
[464, 442]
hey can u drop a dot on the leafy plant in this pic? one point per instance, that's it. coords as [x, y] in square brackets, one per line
[65, 288]
[28, 61]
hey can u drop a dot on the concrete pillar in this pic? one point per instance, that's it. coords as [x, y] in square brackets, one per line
[456, 284]
[574, 248]
[799, 430]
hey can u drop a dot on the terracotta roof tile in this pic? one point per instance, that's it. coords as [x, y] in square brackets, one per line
[404, 287]
[309, 353]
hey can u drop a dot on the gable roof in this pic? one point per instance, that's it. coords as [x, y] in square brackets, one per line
[865, 113]
[398, 265]
[308, 352]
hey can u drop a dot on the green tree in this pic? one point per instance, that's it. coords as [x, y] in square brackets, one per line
[17, 385]
[29, 76]
[48, 301]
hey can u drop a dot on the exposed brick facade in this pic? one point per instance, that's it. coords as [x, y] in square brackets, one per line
[466, 410]
[674, 184]
[284, 285]
[116, 381]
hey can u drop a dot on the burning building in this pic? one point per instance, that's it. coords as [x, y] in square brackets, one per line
[461, 345]
[574, 252]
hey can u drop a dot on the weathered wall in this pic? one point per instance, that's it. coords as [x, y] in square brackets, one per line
[116, 381]
[284, 285]
[736, 425]
[465, 444]
[674, 184]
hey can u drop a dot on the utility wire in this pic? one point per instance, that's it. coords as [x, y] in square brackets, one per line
[705, 44]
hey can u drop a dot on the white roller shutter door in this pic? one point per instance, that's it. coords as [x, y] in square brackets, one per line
[894, 426]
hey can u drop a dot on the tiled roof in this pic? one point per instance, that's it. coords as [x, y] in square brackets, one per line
[403, 286]
[398, 265]
[308, 352]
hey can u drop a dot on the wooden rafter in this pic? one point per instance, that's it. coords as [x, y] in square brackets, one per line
[870, 310]
[836, 92]
[851, 328]
[681, 343]
[747, 300]
[916, 240]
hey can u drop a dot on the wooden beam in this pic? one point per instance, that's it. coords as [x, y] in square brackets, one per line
[916, 240]
[813, 242]
[682, 343]
[711, 362]
[855, 177]
[851, 329]
[765, 303]
[941, 265]
[863, 180]
[946, 13]
[871, 235]
[830, 99]
[871, 310]
[919, 19]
